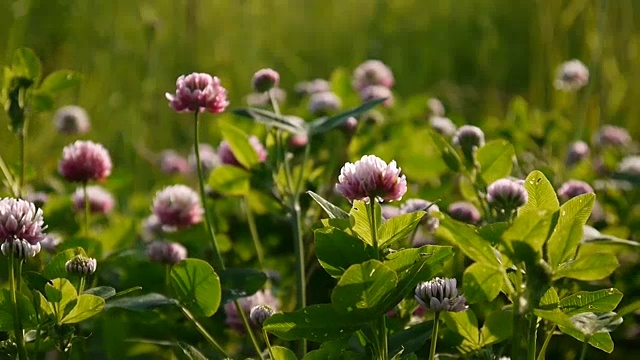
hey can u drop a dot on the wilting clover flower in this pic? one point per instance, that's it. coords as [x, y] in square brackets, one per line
[440, 295]
[443, 125]
[610, 135]
[263, 297]
[630, 166]
[227, 157]
[311, 87]
[507, 194]
[573, 188]
[375, 92]
[260, 313]
[372, 72]
[435, 107]
[51, 242]
[198, 92]
[571, 76]
[413, 205]
[208, 158]
[22, 249]
[578, 151]
[81, 265]
[469, 138]
[265, 79]
[178, 206]
[322, 103]
[464, 211]
[83, 161]
[100, 200]
[71, 120]
[166, 252]
[371, 177]
[173, 163]
[21, 220]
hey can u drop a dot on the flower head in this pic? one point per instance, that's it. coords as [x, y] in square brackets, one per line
[375, 92]
[20, 220]
[198, 92]
[83, 161]
[577, 152]
[100, 200]
[51, 241]
[371, 177]
[71, 120]
[227, 156]
[262, 99]
[81, 265]
[372, 72]
[630, 166]
[166, 252]
[22, 249]
[311, 87]
[443, 125]
[469, 138]
[265, 79]
[610, 135]
[260, 313]
[322, 103]
[573, 188]
[571, 76]
[435, 107]
[350, 125]
[209, 159]
[440, 295]
[507, 194]
[173, 163]
[413, 205]
[390, 211]
[178, 206]
[38, 198]
[263, 297]
[464, 211]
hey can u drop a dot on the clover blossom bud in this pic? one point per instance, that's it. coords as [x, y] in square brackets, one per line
[573, 188]
[265, 79]
[440, 294]
[81, 265]
[260, 313]
[465, 212]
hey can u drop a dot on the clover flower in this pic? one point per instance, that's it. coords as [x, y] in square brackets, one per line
[372, 72]
[371, 177]
[435, 107]
[464, 211]
[350, 125]
[262, 297]
[100, 200]
[610, 135]
[260, 313]
[227, 157]
[265, 79]
[198, 92]
[571, 76]
[630, 166]
[262, 99]
[21, 220]
[306, 88]
[322, 103]
[440, 294]
[166, 252]
[578, 151]
[573, 188]
[22, 249]
[178, 206]
[81, 265]
[83, 161]
[51, 242]
[375, 92]
[413, 205]
[173, 163]
[390, 211]
[469, 138]
[209, 159]
[443, 125]
[71, 120]
[507, 194]
[38, 198]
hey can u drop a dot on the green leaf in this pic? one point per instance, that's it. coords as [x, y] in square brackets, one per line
[324, 124]
[531, 227]
[269, 118]
[197, 286]
[60, 80]
[566, 236]
[496, 160]
[333, 211]
[481, 283]
[592, 235]
[466, 238]
[363, 289]
[588, 267]
[140, 303]
[600, 341]
[336, 250]
[411, 339]
[41, 102]
[282, 353]
[240, 146]
[56, 268]
[230, 180]
[550, 300]
[104, 292]
[86, 307]
[26, 64]
[498, 326]
[446, 152]
[596, 301]
[63, 294]
[35, 280]
[237, 283]
[316, 323]
[542, 196]
[398, 228]
[466, 325]
[360, 216]
[27, 312]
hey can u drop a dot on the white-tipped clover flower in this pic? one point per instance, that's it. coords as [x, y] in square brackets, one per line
[165, 252]
[443, 125]
[610, 135]
[571, 76]
[71, 120]
[413, 205]
[81, 265]
[375, 92]
[21, 220]
[233, 318]
[630, 166]
[265, 79]
[372, 72]
[84, 161]
[469, 138]
[435, 107]
[577, 151]
[100, 200]
[173, 163]
[507, 194]
[198, 92]
[178, 206]
[465, 212]
[440, 295]
[227, 156]
[311, 87]
[573, 188]
[322, 103]
[260, 313]
[371, 177]
[22, 249]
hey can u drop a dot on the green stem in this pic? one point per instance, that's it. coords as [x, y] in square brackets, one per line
[86, 209]
[7, 175]
[247, 327]
[23, 158]
[254, 232]
[373, 226]
[81, 287]
[298, 247]
[204, 332]
[545, 344]
[218, 263]
[533, 329]
[434, 335]
[17, 320]
[266, 341]
[381, 323]
[585, 346]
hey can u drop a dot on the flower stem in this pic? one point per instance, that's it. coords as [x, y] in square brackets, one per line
[545, 344]
[266, 341]
[247, 327]
[7, 175]
[82, 283]
[86, 209]
[254, 232]
[204, 332]
[218, 263]
[434, 335]
[381, 323]
[585, 346]
[533, 329]
[17, 320]
[23, 158]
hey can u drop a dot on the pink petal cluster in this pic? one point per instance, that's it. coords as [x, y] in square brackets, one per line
[325, 102]
[371, 177]
[21, 220]
[573, 188]
[610, 135]
[166, 252]
[178, 206]
[228, 158]
[71, 120]
[100, 200]
[198, 92]
[265, 79]
[571, 76]
[375, 92]
[173, 163]
[372, 72]
[263, 297]
[83, 161]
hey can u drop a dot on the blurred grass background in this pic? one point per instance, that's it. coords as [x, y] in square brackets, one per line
[474, 54]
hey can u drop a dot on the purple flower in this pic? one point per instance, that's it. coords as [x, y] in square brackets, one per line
[38, 198]
[21, 220]
[173, 163]
[469, 138]
[571, 76]
[610, 135]
[71, 120]
[507, 194]
[100, 200]
[390, 211]
[227, 157]
[262, 99]
[372, 72]
[263, 297]
[350, 125]
[465, 212]
[435, 107]
[322, 103]
[578, 151]
[81, 265]
[260, 313]
[51, 241]
[413, 205]
[166, 252]
[198, 92]
[83, 161]
[443, 125]
[573, 188]
[440, 295]
[208, 158]
[22, 249]
[630, 166]
[265, 79]
[311, 87]
[371, 177]
[178, 206]
[375, 92]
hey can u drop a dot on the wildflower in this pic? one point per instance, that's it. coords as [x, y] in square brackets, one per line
[350, 125]
[578, 151]
[630, 166]
[198, 92]
[22, 249]
[152, 228]
[38, 198]
[507, 194]
[571, 76]
[81, 265]
[413, 205]
[178, 206]
[173, 163]
[71, 120]
[265, 79]
[209, 159]
[166, 252]
[390, 211]
[83, 161]
[21, 220]
[469, 138]
[322, 103]
[375, 92]
[464, 211]
[312, 87]
[435, 107]
[51, 241]
[100, 200]
[260, 313]
[443, 125]
[262, 99]
[573, 188]
[371, 177]
[227, 157]
[440, 295]
[263, 297]
[615, 136]
[372, 72]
